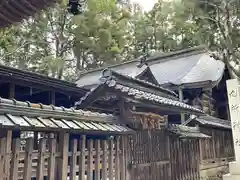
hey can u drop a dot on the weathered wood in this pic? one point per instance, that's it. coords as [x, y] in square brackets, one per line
[40, 167]
[110, 160]
[2, 157]
[97, 160]
[104, 160]
[52, 158]
[28, 160]
[90, 160]
[8, 150]
[117, 159]
[63, 147]
[123, 159]
[82, 144]
[14, 161]
[73, 161]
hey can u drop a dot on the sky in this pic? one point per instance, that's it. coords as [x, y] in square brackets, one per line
[146, 4]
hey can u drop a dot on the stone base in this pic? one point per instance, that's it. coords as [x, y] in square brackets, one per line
[231, 177]
[234, 174]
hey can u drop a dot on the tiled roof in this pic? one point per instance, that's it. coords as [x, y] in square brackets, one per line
[28, 116]
[186, 131]
[140, 95]
[209, 121]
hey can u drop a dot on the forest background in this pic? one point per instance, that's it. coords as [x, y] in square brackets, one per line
[60, 45]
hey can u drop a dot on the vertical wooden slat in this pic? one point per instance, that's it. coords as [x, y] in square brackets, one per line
[104, 160]
[35, 140]
[52, 158]
[28, 160]
[122, 171]
[110, 160]
[2, 157]
[82, 147]
[73, 162]
[14, 161]
[40, 166]
[97, 160]
[117, 162]
[8, 150]
[63, 147]
[90, 160]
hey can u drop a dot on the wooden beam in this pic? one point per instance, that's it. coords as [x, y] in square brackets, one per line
[180, 94]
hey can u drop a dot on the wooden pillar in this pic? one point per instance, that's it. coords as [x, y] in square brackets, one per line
[52, 158]
[41, 160]
[11, 91]
[110, 160]
[97, 160]
[52, 98]
[73, 162]
[104, 159]
[82, 147]
[15, 159]
[90, 160]
[63, 147]
[180, 94]
[28, 159]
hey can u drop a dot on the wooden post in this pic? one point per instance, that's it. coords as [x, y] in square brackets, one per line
[63, 147]
[11, 91]
[52, 158]
[2, 157]
[117, 162]
[180, 94]
[52, 98]
[8, 150]
[97, 160]
[14, 161]
[40, 166]
[104, 160]
[123, 159]
[82, 147]
[234, 108]
[28, 159]
[73, 162]
[110, 160]
[90, 160]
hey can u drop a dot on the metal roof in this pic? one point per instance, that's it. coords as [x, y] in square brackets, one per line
[188, 67]
[186, 131]
[209, 121]
[28, 116]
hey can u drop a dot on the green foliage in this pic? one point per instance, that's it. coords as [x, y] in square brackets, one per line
[60, 45]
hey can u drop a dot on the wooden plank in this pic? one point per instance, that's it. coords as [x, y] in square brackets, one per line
[104, 160]
[40, 166]
[122, 168]
[28, 160]
[2, 157]
[110, 160]
[97, 160]
[63, 147]
[52, 158]
[90, 160]
[82, 147]
[117, 160]
[8, 150]
[14, 161]
[73, 161]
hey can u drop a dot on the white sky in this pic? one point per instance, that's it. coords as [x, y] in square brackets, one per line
[146, 4]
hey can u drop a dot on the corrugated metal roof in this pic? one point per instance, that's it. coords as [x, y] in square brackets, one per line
[209, 121]
[186, 131]
[24, 115]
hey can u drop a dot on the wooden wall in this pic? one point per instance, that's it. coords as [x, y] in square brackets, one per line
[62, 158]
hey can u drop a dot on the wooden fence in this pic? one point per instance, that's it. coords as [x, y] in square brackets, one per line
[61, 158]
